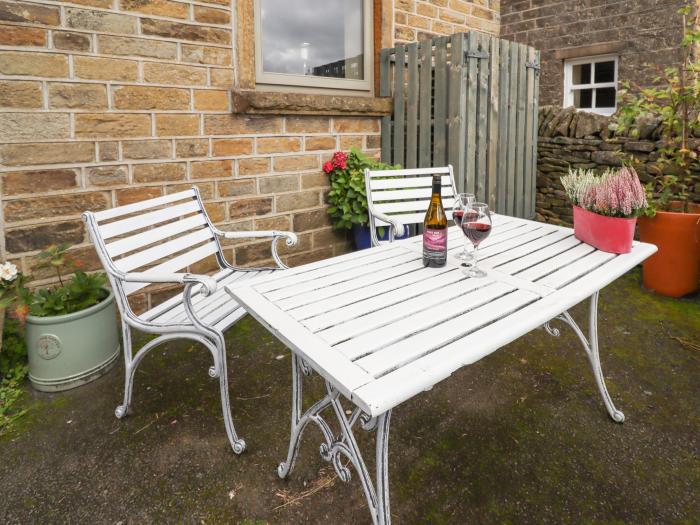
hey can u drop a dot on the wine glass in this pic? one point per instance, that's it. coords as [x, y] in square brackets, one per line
[476, 225]
[462, 202]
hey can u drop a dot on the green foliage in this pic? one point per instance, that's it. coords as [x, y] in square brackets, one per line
[13, 370]
[662, 191]
[348, 196]
[81, 292]
[674, 100]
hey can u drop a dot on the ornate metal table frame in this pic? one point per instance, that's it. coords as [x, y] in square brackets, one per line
[344, 445]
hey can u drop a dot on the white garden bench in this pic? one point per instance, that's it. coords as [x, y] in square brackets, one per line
[149, 242]
[401, 197]
[380, 328]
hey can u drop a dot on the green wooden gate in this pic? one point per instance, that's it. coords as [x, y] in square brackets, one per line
[469, 100]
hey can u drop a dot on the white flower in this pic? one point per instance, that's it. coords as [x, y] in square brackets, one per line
[8, 271]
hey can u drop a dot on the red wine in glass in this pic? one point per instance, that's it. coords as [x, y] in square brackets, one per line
[476, 231]
[457, 217]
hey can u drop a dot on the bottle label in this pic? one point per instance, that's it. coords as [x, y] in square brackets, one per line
[435, 244]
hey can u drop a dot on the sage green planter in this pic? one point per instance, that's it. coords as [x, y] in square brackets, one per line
[66, 351]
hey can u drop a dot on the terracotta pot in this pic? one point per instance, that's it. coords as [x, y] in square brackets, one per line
[675, 269]
[608, 234]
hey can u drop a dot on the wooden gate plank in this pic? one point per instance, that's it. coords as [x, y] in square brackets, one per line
[503, 131]
[520, 137]
[385, 91]
[480, 167]
[412, 108]
[493, 129]
[399, 104]
[535, 122]
[472, 108]
[425, 103]
[529, 139]
[512, 128]
[457, 110]
[440, 109]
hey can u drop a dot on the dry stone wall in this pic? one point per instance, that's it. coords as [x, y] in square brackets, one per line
[571, 139]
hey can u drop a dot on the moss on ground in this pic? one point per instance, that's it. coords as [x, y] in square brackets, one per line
[519, 437]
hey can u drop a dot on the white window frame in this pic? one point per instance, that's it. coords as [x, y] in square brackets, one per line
[286, 79]
[569, 87]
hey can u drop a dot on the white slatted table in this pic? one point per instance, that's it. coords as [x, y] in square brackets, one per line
[380, 328]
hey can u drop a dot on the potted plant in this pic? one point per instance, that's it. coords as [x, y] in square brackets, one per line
[71, 329]
[606, 207]
[672, 222]
[348, 196]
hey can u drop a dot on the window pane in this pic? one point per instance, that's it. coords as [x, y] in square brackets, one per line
[313, 37]
[583, 98]
[605, 98]
[581, 74]
[605, 71]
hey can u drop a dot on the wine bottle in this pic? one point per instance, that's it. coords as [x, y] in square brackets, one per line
[435, 229]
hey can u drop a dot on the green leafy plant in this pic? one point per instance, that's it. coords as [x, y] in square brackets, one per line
[673, 100]
[348, 195]
[13, 370]
[80, 292]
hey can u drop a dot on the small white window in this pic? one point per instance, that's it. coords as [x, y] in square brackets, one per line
[314, 43]
[590, 84]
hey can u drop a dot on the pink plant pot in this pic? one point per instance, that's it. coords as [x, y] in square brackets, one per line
[608, 234]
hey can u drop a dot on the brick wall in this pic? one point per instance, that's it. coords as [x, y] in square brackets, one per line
[418, 20]
[641, 32]
[113, 101]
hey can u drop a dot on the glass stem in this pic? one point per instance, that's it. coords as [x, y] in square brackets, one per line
[476, 256]
[466, 252]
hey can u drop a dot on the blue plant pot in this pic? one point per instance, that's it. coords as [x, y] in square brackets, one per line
[363, 239]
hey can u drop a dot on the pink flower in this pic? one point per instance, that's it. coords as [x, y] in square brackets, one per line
[328, 167]
[340, 160]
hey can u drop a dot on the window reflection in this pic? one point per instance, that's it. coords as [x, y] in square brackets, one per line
[322, 38]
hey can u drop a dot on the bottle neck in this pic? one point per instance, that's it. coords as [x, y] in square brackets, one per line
[437, 185]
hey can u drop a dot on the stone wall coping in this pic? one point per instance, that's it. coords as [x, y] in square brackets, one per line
[281, 103]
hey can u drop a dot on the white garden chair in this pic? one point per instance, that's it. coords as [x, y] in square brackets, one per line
[148, 242]
[401, 197]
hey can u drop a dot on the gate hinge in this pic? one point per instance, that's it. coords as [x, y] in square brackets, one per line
[476, 54]
[533, 65]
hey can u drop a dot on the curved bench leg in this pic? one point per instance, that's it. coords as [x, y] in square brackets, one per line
[237, 444]
[591, 349]
[129, 369]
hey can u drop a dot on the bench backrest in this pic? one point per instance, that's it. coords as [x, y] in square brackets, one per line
[405, 194]
[161, 235]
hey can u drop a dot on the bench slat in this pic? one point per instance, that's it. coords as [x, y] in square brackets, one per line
[406, 182]
[175, 264]
[148, 219]
[416, 193]
[134, 242]
[113, 213]
[161, 251]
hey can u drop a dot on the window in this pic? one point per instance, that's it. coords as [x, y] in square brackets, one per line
[590, 84]
[314, 43]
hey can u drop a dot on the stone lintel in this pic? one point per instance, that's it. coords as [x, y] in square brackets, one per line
[605, 48]
[280, 103]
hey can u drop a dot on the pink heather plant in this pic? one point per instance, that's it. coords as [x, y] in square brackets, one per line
[617, 194]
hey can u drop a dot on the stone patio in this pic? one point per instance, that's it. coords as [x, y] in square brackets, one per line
[520, 437]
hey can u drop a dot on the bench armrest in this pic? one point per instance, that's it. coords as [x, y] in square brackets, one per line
[291, 237]
[396, 225]
[291, 240]
[208, 284]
